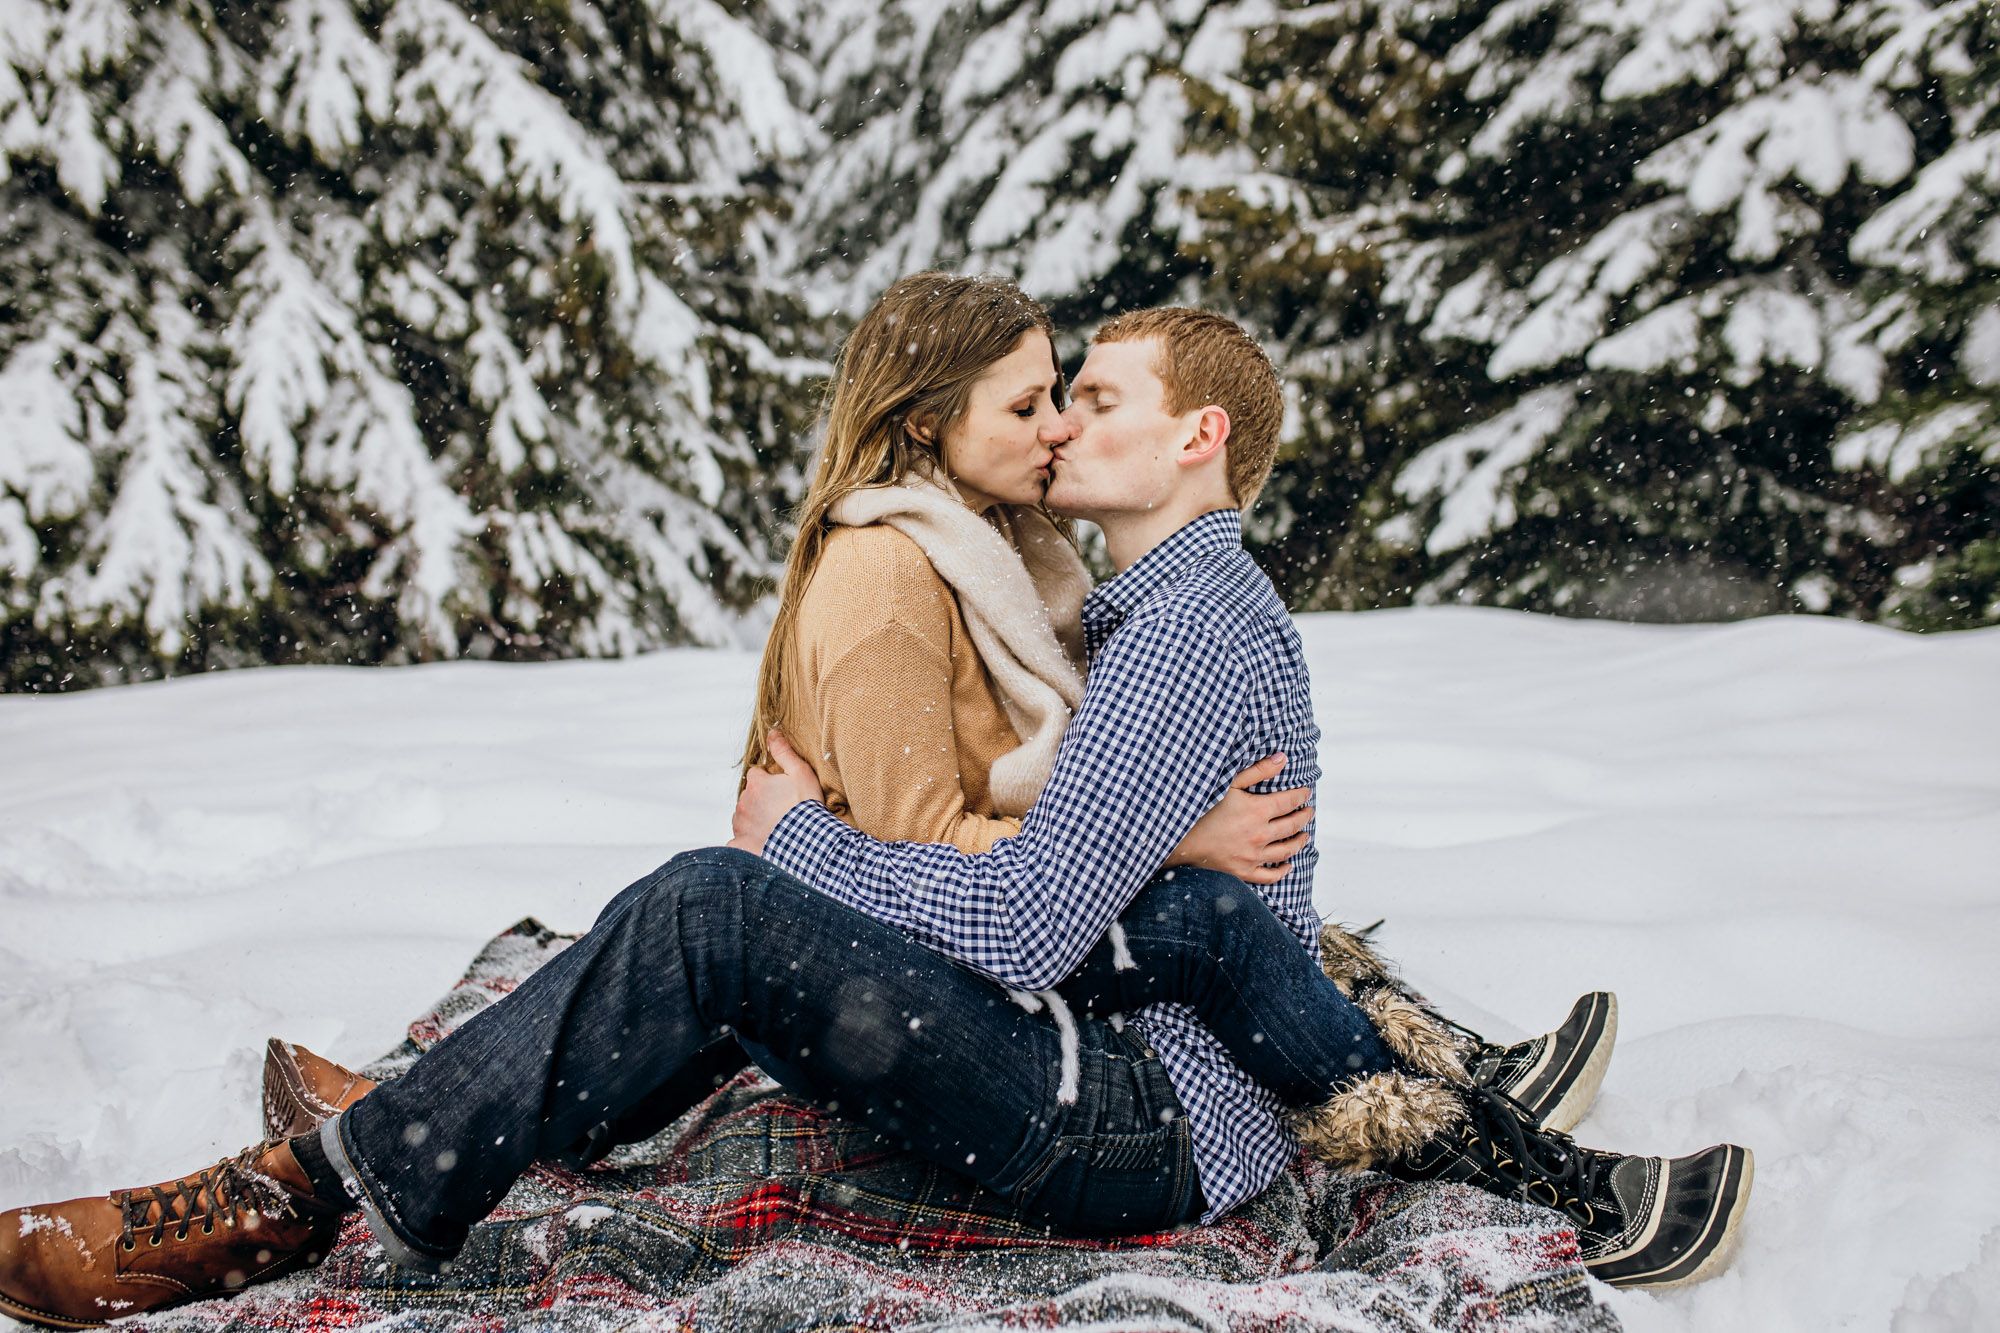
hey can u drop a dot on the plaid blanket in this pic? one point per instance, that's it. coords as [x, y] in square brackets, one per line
[760, 1212]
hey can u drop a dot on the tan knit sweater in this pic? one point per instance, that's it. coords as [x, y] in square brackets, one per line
[896, 710]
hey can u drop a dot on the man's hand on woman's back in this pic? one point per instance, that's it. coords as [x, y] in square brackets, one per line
[768, 797]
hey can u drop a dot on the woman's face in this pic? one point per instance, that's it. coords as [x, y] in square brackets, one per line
[999, 451]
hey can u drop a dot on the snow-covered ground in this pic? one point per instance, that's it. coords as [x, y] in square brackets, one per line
[1779, 841]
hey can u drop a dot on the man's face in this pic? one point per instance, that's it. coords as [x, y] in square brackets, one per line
[1120, 457]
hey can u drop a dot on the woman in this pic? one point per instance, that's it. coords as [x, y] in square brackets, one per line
[925, 656]
[927, 646]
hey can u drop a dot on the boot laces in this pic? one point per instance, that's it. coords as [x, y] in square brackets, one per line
[223, 1192]
[1549, 1166]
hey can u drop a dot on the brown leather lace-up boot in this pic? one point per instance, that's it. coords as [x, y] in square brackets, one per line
[82, 1263]
[302, 1089]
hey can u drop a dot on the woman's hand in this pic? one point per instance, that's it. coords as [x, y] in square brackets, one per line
[767, 797]
[1248, 835]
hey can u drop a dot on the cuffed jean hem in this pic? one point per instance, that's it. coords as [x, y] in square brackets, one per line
[402, 1250]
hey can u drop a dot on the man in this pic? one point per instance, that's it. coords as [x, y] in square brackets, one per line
[1091, 1124]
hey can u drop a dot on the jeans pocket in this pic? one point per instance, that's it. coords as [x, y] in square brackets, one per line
[1111, 1184]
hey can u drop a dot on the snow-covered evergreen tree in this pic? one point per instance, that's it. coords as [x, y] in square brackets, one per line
[1640, 307]
[1933, 268]
[1043, 139]
[375, 330]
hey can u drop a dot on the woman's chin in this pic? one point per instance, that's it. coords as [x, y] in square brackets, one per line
[1027, 495]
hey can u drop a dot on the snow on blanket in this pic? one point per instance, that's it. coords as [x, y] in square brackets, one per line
[757, 1211]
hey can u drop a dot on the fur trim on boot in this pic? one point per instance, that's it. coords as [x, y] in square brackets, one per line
[1381, 1117]
[1397, 1111]
[1415, 1035]
[1348, 960]
[1407, 1025]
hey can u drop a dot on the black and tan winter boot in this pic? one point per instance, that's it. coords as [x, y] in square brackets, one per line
[1640, 1221]
[1445, 1115]
[1556, 1075]
[85, 1262]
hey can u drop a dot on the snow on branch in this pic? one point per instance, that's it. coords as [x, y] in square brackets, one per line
[315, 404]
[170, 117]
[1813, 130]
[43, 457]
[1699, 41]
[745, 71]
[502, 383]
[1900, 450]
[46, 471]
[1090, 239]
[176, 542]
[325, 77]
[1913, 234]
[511, 133]
[1473, 469]
[1575, 295]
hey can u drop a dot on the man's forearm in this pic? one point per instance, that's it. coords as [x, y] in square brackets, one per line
[1132, 778]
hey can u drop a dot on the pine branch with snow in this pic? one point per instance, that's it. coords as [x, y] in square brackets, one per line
[1593, 328]
[484, 342]
[1042, 139]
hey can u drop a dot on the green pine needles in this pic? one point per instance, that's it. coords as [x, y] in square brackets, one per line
[394, 330]
[1651, 309]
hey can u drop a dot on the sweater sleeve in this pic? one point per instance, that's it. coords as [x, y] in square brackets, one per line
[885, 708]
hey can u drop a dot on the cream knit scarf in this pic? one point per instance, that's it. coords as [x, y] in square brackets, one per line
[1020, 587]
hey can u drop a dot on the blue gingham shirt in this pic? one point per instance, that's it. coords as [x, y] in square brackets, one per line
[1196, 673]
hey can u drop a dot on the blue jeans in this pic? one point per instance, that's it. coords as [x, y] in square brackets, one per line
[1207, 940]
[1196, 937]
[718, 944]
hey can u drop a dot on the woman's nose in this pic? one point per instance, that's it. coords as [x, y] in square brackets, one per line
[1059, 430]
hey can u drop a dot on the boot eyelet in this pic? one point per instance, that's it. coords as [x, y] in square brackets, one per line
[128, 1245]
[154, 1243]
[208, 1229]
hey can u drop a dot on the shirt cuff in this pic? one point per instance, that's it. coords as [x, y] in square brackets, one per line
[807, 842]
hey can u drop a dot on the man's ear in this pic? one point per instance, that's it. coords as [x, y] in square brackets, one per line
[1211, 433]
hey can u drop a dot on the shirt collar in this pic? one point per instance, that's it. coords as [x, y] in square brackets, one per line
[1217, 531]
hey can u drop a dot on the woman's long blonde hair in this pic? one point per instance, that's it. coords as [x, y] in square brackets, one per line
[901, 381]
